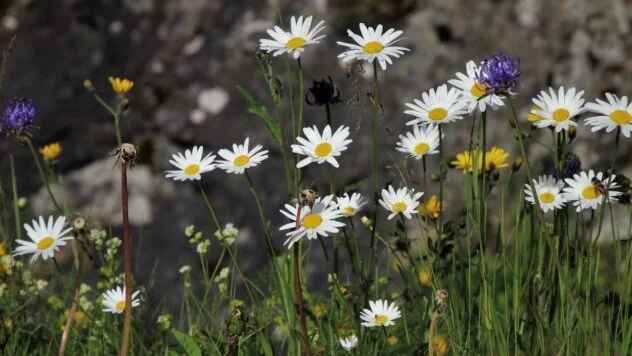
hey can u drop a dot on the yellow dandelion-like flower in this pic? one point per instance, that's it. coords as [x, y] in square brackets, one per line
[496, 158]
[392, 340]
[121, 86]
[51, 152]
[465, 160]
[3, 249]
[425, 277]
[440, 345]
[320, 311]
[430, 208]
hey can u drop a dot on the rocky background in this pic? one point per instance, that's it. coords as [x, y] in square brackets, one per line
[187, 57]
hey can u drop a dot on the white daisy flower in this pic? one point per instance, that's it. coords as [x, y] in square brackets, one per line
[549, 191]
[348, 206]
[321, 148]
[617, 112]
[373, 45]
[191, 165]
[557, 109]
[349, 343]
[46, 238]
[294, 42]
[380, 313]
[420, 142]
[402, 201]
[586, 189]
[241, 158]
[437, 106]
[114, 300]
[474, 92]
[317, 220]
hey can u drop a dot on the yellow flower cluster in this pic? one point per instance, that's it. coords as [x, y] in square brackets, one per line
[430, 208]
[121, 86]
[51, 152]
[495, 158]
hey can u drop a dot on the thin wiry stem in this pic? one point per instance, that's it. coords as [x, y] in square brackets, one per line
[42, 174]
[75, 299]
[298, 288]
[127, 261]
[14, 192]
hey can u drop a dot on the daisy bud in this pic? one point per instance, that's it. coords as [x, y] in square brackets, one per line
[79, 223]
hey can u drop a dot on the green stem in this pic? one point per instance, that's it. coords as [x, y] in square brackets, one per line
[42, 175]
[16, 207]
[262, 217]
[440, 220]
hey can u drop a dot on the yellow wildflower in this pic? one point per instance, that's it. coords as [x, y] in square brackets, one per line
[430, 208]
[3, 249]
[496, 158]
[121, 85]
[464, 160]
[392, 340]
[425, 276]
[51, 151]
[320, 310]
[440, 345]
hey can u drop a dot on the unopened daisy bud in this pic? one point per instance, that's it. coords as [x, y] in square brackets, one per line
[366, 221]
[87, 83]
[517, 163]
[79, 223]
[185, 269]
[22, 201]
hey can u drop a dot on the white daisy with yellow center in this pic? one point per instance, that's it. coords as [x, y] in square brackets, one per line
[616, 113]
[349, 343]
[373, 44]
[114, 300]
[401, 201]
[191, 165]
[473, 92]
[380, 313]
[437, 106]
[321, 148]
[314, 221]
[46, 238]
[558, 109]
[549, 193]
[422, 141]
[348, 206]
[241, 158]
[587, 190]
[294, 42]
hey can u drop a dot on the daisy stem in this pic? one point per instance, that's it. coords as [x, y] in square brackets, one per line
[483, 191]
[41, 173]
[301, 89]
[14, 192]
[440, 220]
[127, 260]
[262, 217]
[298, 299]
[375, 166]
[75, 299]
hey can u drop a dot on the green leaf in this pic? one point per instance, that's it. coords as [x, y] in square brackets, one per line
[258, 109]
[188, 343]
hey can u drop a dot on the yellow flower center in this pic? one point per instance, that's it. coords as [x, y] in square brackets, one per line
[120, 305]
[295, 42]
[590, 192]
[380, 319]
[561, 114]
[621, 117]
[348, 211]
[192, 169]
[421, 149]
[45, 242]
[547, 198]
[241, 160]
[399, 207]
[437, 114]
[373, 47]
[323, 149]
[477, 90]
[312, 221]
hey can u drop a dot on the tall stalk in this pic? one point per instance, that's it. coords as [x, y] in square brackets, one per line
[40, 171]
[16, 207]
[298, 288]
[127, 156]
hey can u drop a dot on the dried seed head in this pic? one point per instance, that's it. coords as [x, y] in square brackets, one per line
[308, 196]
[441, 297]
[127, 152]
[79, 223]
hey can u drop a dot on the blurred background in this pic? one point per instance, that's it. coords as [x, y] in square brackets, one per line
[187, 57]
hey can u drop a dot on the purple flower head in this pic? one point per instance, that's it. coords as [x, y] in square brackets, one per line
[500, 73]
[18, 115]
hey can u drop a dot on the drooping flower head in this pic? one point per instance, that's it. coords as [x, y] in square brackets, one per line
[380, 313]
[500, 73]
[18, 115]
[114, 300]
[323, 92]
[319, 219]
[294, 42]
[437, 106]
[373, 44]
[241, 158]
[616, 113]
[472, 91]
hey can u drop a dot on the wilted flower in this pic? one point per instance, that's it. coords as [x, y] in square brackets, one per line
[323, 92]
[19, 115]
[500, 73]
